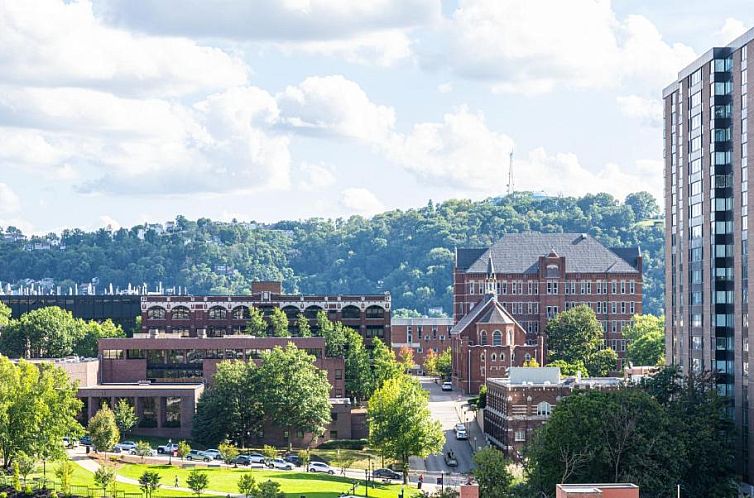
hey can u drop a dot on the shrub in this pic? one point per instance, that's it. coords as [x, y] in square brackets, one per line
[28, 491]
[344, 444]
[53, 494]
[3, 494]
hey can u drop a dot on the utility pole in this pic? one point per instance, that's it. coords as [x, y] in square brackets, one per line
[510, 173]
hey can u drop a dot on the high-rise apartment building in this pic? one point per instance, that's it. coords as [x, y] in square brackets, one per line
[706, 202]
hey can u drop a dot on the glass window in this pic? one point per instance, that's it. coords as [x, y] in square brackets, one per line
[351, 312]
[497, 338]
[217, 313]
[241, 313]
[156, 313]
[180, 313]
[375, 312]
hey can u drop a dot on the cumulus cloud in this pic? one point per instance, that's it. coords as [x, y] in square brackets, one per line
[648, 111]
[334, 105]
[732, 28]
[383, 48]
[9, 200]
[361, 201]
[445, 87]
[314, 177]
[106, 221]
[528, 47]
[50, 42]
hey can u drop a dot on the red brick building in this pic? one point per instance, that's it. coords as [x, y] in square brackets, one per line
[421, 335]
[538, 275]
[220, 316]
[524, 401]
[487, 341]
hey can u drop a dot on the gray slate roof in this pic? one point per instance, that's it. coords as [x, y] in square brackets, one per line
[520, 252]
[490, 310]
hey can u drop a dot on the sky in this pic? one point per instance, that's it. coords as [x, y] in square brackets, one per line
[121, 112]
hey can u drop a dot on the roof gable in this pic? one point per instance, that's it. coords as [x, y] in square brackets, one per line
[488, 310]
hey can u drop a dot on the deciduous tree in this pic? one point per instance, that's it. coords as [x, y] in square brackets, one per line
[103, 429]
[430, 363]
[384, 364]
[247, 486]
[257, 325]
[104, 477]
[302, 323]
[358, 378]
[279, 323]
[228, 451]
[125, 416]
[445, 363]
[197, 481]
[576, 335]
[491, 472]
[149, 481]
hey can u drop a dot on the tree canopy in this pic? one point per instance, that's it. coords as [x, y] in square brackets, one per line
[646, 335]
[407, 252]
[575, 336]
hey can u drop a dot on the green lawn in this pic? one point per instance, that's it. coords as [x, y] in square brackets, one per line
[294, 484]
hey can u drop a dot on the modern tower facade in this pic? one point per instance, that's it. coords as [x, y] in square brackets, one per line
[707, 225]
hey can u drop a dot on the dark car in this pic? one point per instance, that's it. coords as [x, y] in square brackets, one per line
[387, 474]
[86, 440]
[242, 460]
[294, 459]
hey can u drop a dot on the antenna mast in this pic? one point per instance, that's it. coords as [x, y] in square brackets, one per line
[510, 173]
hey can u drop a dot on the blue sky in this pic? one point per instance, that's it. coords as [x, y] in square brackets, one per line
[117, 112]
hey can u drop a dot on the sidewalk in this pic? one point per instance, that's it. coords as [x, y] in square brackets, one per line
[472, 427]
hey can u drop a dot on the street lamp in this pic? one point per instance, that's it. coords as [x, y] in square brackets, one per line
[474, 444]
[170, 451]
[366, 482]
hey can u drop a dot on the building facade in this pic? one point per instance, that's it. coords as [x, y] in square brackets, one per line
[707, 288]
[539, 274]
[488, 341]
[219, 316]
[421, 335]
[524, 401]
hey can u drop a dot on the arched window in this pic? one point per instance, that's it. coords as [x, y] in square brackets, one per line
[241, 313]
[552, 271]
[527, 357]
[497, 338]
[311, 312]
[375, 312]
[510, 338]
[291, 312]
[493, 357]
[351, 312]
[483, 338]
[217, 313]
[180, 313]
[544, 409]
[156, 313]
[502, 356]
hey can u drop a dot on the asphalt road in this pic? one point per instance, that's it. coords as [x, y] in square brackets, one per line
[444, 408]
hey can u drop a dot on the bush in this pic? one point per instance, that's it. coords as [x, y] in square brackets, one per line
[53, 494]
[28, 491]
[344, 444]
[3, 494]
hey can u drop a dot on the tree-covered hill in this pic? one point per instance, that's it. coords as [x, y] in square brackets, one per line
[409, 253]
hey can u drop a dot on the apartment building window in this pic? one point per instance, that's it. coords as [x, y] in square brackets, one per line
[632, 307]
[156, 313]
[552, 311]
[632, 287]
[552, 288]
[623, 307]
[338, 374]
[520, 436]
[696, 343]
[614, 307]
[531, 285]
[544, 409]
[504, 288]
[614, 287]
[471, 288]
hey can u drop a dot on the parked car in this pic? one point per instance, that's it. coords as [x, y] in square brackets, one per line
[70, 442]
[256, 458]
[198, 455]
[447, 386]
[320, 467]
[167, 448]
[214, 453]
[86, 440]
[459, 427]
[124, 446]
[244, 460]
[294, 459]
[450, 459]
[461, 435]
[279, 463]
[152, 452]
[387, 474]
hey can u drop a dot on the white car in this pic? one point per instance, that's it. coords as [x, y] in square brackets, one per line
[459, 427]
[447, 386]
[69, 442]
[320, 467]
[215, 454]
[124, 446]
[279, 463]
[256, 458]
[461, 435]
[167, 448]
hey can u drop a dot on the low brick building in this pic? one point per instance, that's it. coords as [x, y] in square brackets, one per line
[420, 335]
[611, 490]
[524, 401]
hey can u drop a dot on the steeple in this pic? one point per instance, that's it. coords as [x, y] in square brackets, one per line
[490, 283]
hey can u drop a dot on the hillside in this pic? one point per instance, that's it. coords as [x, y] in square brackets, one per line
[409, 253]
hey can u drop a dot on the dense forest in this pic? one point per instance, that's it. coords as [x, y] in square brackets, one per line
[409, 253]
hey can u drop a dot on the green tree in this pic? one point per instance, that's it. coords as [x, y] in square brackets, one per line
[125, 416]
[279, 323]
[445, 363]
[304, 330]
[183, 449]
[482, 402]
[358, 378]
[5, 315]
[602, 362]
[491, 472]
[570, 369]
[149, 481]
[16, 479]
[26, 464]
[648, 349]
[197, 481]
[38, 407]
[305, 457]
[430, 363]
[257, 325]
[643, 204]
[42, 333]
[400, 423]
[270, 489]
[143, 449]
[643, 324]
[104, 477]
[295, 393]
[103, 429]
[406, 359]
[269, 451]
[575, 335]
[384, 364]
[231, 408]
[247, 486]
[336, 340]
[228, 451]
[88, 333]
[64, 473]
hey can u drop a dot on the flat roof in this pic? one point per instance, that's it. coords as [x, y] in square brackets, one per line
[422, 321]
[597, 487]
[182, 386]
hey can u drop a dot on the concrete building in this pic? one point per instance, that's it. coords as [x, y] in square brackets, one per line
[539, 274]
[488, 341]
[522, 402]
[421, 335]
[219, 316]
[707, 283]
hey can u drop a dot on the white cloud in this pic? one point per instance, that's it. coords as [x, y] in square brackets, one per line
[334, 105]
[445, 87]
[315, 177]
[9, 200]
[361, 201]
[51, 42]
[648, 111]
[532, 47]
[106, 221]
[732, 28]
[382, 48]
